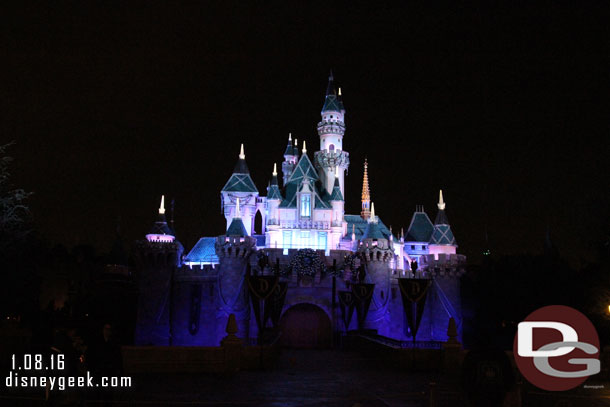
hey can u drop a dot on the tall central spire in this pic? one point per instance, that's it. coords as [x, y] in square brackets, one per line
[366, 193]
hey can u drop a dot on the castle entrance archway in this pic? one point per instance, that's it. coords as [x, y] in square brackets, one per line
[305, 326]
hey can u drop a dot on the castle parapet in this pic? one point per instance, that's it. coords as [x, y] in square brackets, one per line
[450, 265]
[234, 246]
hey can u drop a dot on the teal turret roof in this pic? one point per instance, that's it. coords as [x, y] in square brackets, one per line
[160, 227]
[237, 228]
[332, 102]
[336, 195]
[420, 229]
[373, 231]
[442, 234]
[273, 191]
[359, 226]
[303, 172]
[203, 252]
[304, 169]
[240, 180]
[289, 149]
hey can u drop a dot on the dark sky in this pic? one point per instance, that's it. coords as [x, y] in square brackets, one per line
[504, 108]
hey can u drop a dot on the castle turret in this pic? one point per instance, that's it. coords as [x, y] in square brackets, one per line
[240, 186]
[366, 193]
[233, 250]
[338, 224]
[331, 130]
[161, 232]
[274, 198]
[290, 160]
[419, 233]
[442, 240]
[157, 259]
[376, 251]
[445, 267]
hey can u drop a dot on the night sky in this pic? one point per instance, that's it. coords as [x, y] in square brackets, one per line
[505, 109]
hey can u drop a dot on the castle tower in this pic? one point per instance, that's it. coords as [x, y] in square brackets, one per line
[274, 198]
[377, 251]
[419, 233]
[445, 267]
[291, 156]
[240, 186]
[233, 250]
[338, 224]
[366, 193]
[157, 259]
[442, 240]
[331, 130]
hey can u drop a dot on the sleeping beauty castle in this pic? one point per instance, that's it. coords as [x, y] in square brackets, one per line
[293, 261]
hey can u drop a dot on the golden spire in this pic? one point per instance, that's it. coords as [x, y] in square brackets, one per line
[366, 193]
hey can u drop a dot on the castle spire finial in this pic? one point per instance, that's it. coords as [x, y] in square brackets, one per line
[237, 210]
[339, 91]
[296, 142]
[373, 218]
[242, 155]
[441, 203]
[274, 169]
[366, 193]
[162, 207]
[289, 137]
[304, 147]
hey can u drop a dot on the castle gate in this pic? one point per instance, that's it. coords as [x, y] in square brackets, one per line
[305, 326]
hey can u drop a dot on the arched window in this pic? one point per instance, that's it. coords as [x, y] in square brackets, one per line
[258, 223]
[331, 147]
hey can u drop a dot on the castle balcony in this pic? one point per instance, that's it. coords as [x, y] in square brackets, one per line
[305, 224]
[327, 159]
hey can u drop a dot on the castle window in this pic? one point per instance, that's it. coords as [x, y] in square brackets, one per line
[423, 247]
[412, 247]
[331, 116]
[306, 205]
[331, 147]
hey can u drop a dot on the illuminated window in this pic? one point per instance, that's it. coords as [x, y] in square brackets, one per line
[287, 238]
[306, 205]
[322, 240]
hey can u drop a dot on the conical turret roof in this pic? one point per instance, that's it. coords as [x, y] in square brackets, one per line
[240, 180]
[442, 234]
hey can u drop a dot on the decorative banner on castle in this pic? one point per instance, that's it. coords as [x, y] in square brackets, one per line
[347, 303]
[195, 309]
[274, 303]
[261, 288]
[413, 292]
[362, 297]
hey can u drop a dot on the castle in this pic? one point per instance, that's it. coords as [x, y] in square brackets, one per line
[301, 231]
